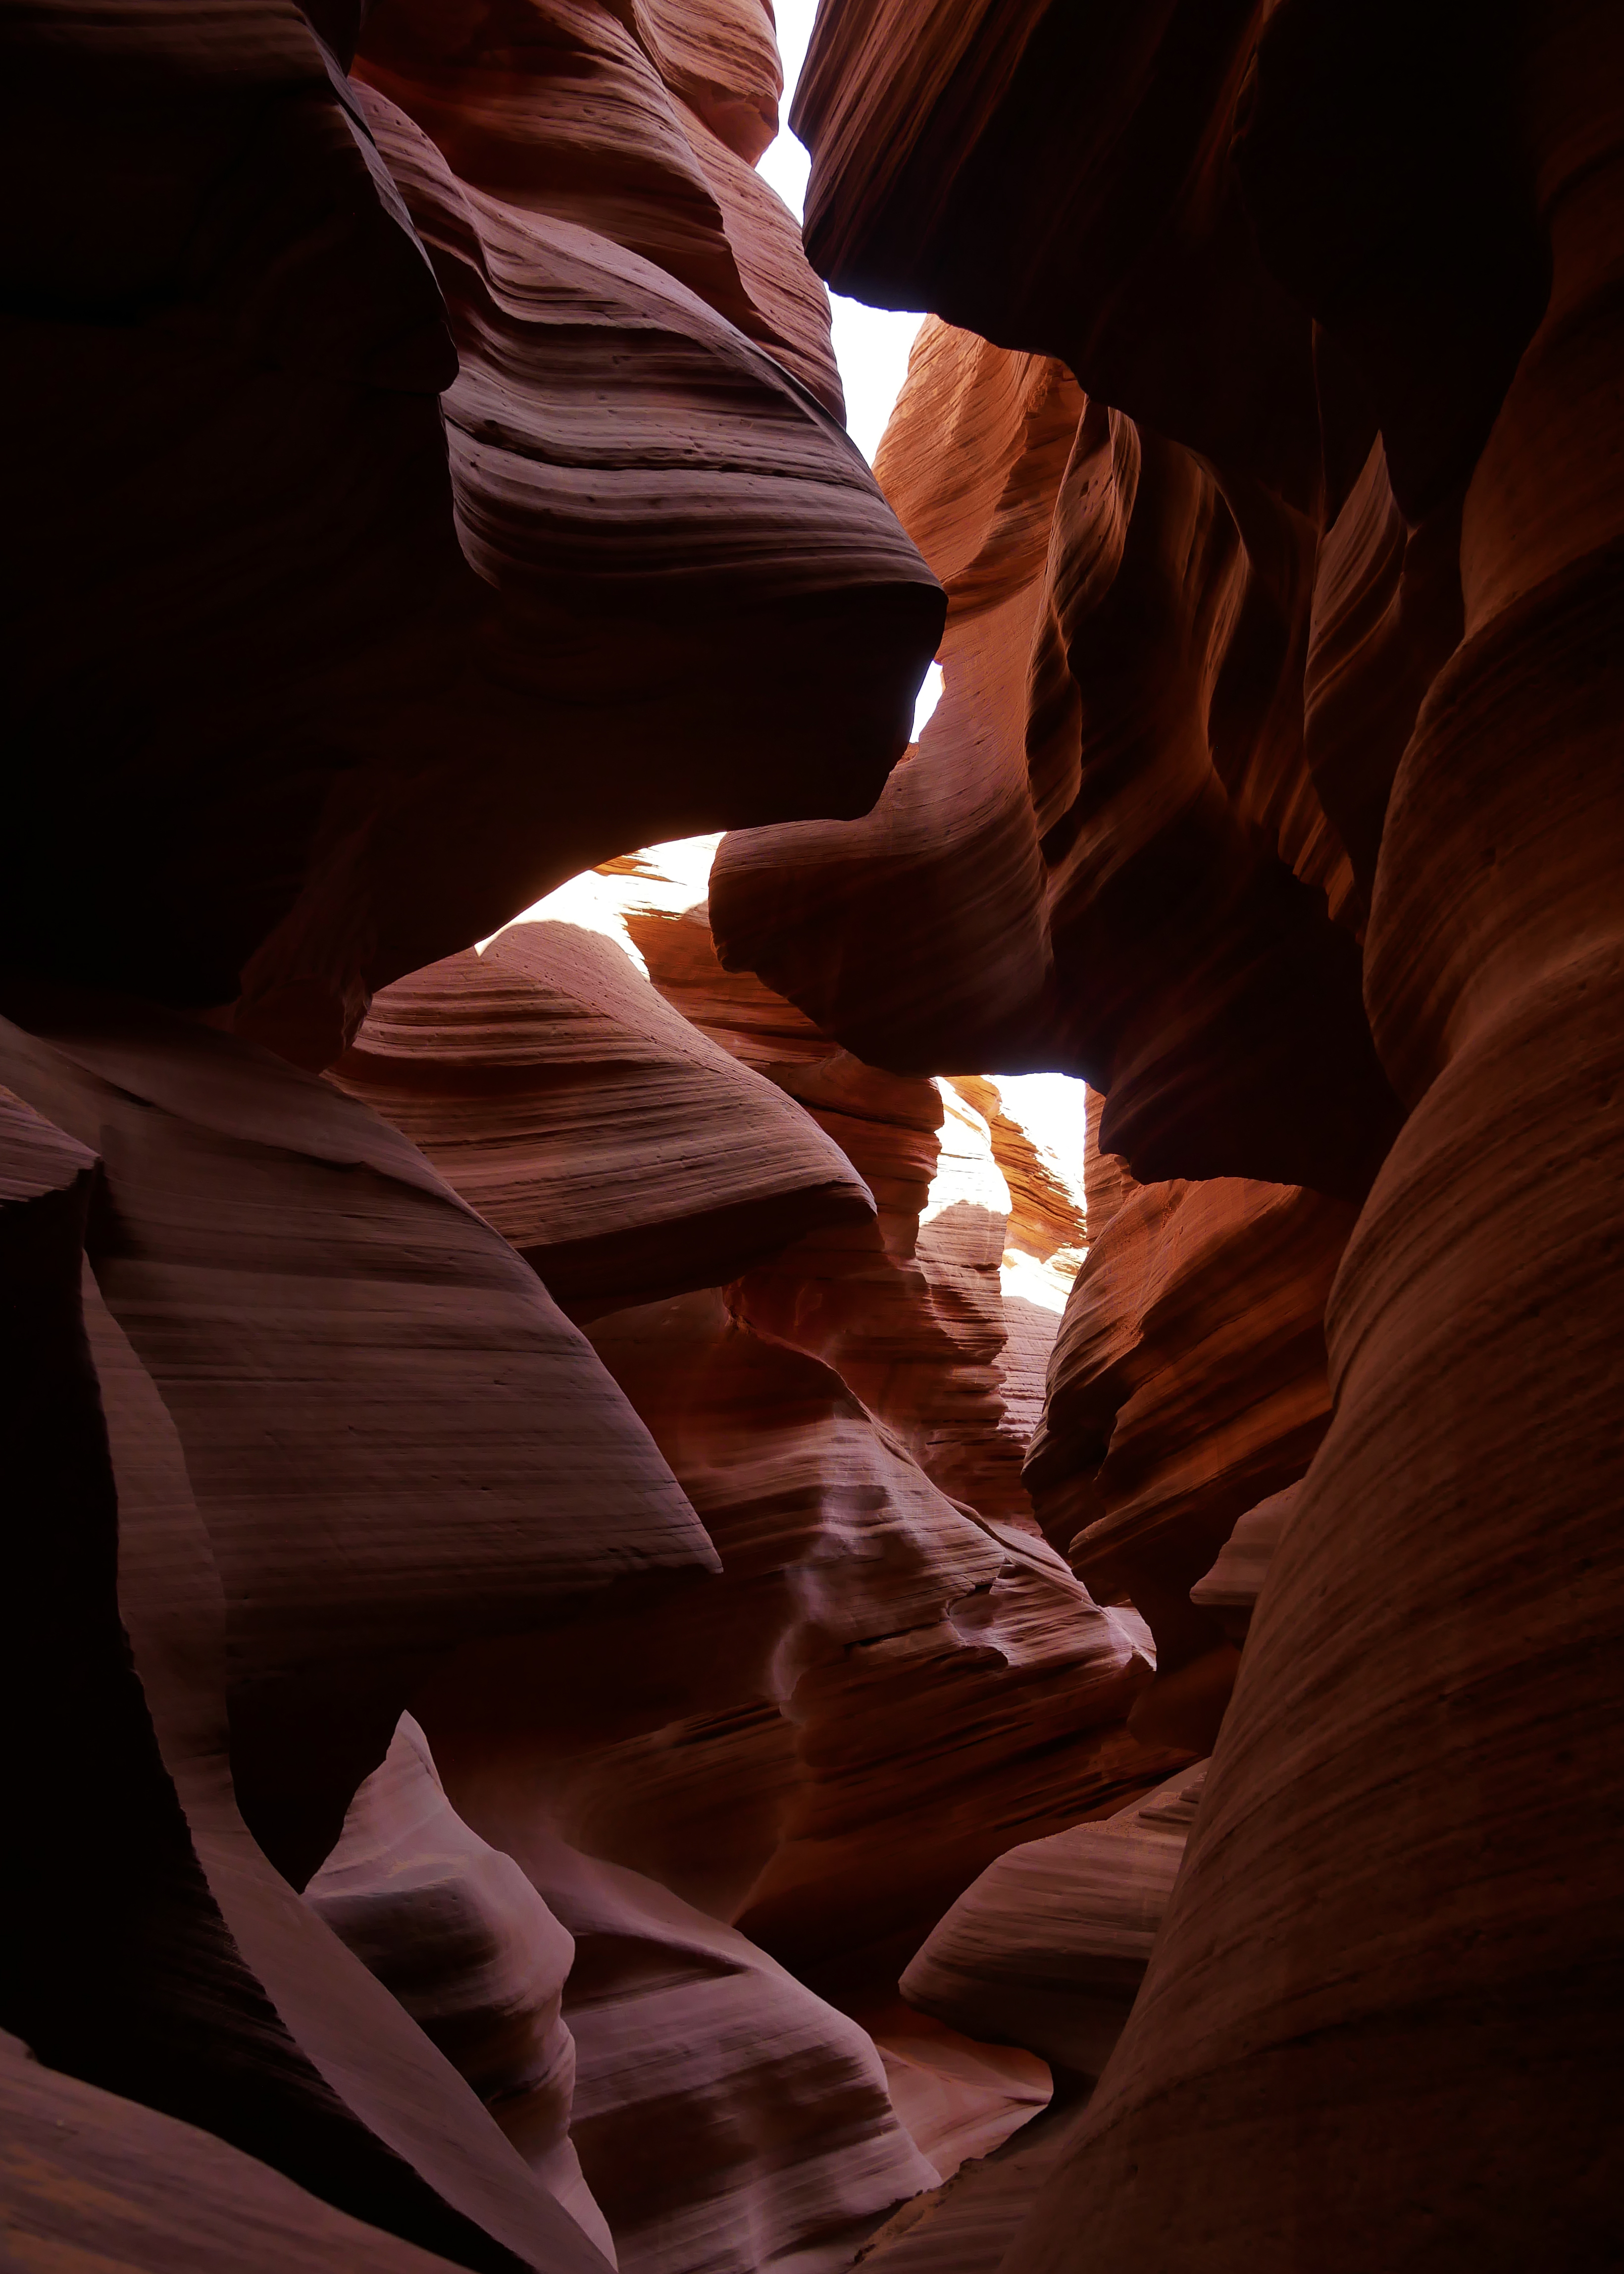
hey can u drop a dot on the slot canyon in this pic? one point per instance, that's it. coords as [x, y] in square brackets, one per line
[789, 1492]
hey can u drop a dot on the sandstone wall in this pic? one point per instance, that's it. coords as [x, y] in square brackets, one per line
[617, 1580]
[1271, 790]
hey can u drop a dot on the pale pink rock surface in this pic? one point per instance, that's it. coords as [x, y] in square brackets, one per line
[724, 2115]
[458, 1934]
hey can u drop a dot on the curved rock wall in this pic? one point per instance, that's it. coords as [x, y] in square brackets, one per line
[1276, 796]
[404, 526]
[331, 636]
[892, 1644]
[592, 1512]
[1460, 1948]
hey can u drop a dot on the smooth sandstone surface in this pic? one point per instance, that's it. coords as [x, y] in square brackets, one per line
[435, 489]
[1048, 1947]
[392, 488]
[1232, 1586]
[1107, 854]
[89, 2183]
[1402, 236]
[525, 510]
[194, 1980]
[1317, 2069]
[724, 2116]
[966, 2225]
[750, 1743]
[370, 1471]
[1188, 1380]
[623, 1153]
[941, 1316]
[456, 1932]
[960, 2098]
[822, 1747]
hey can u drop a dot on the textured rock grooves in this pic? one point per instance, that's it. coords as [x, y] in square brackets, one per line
[639, 1631]
[1313, 681]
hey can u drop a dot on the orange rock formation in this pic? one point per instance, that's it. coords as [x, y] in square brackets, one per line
[616, 1579]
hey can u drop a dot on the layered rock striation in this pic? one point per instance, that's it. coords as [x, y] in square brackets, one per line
[399, 538]
[762, 1741]
[421, 508]
[1270, 792]
[616, 1580]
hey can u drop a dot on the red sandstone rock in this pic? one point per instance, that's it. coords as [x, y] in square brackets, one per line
[1318, 622]
[721, 59]
[624, 1155]
[975, 165]
[777, 1720]
[1188, 1380]
[89, 2180]
[1386, 1977]
[879, 1694]
[560, 107]
[253, 1253]
[192, 1978]
[1045, 1239]
[724, 2116]
[457, 1934]
[922, 1313]
[966, 2225]
[1232, 1586]
[1108, 853]
[1106, 1183]
[1386, 611]
[1047, 1948]
[764, 2050]
[960, 2099]
[343, 653]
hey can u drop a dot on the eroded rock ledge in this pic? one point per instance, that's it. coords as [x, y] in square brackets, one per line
[639, 1631]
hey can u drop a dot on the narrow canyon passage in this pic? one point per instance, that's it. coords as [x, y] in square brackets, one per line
[810, 1074]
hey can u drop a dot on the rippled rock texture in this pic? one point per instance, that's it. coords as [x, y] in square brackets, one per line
[1261, 441]
[431, 493]
[617, 1580]
[896, 1676]
[436, 478]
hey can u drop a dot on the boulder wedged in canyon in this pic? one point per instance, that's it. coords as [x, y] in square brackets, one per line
[354, 604]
